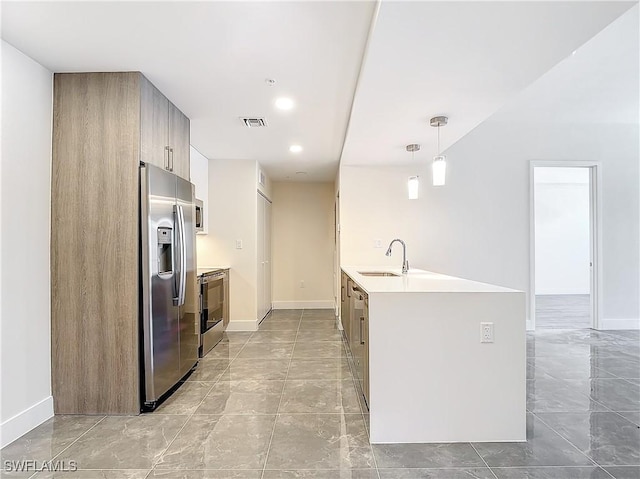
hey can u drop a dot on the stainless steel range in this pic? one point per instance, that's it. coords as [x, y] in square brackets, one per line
[214, 301]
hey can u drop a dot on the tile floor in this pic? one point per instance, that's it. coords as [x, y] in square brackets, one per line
[281, 403]
[563, 311]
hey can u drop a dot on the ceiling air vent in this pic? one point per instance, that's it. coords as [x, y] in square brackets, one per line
[254, 122]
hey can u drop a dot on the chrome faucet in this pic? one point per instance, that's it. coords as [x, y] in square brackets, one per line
[405, 263]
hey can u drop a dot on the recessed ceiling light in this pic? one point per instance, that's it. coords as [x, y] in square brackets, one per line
[301, 172]
[284, 103]
[270, 81]
[295, 148]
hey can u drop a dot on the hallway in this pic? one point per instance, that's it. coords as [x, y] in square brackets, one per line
[563, 311]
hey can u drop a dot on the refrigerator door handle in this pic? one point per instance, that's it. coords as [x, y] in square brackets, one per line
[183, 258]
[177, 249]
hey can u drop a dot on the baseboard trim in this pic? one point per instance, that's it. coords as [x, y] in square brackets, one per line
[328, 304]
[613, 324]
[564, 293]
[243, 325]
[20, 424]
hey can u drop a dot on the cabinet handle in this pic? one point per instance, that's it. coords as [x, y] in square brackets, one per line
[361, 323]
[166, 158]
[171, 151]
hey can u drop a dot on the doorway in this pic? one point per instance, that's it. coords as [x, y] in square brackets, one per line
[564, 280]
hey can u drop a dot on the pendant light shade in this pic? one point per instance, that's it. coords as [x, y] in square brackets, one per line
[439, 169]
[413, 184]
[439, 165]
[414, 187]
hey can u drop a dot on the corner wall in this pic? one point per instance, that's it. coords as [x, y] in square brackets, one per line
[25, 193]
[303, 245]
[483, 214]
[374, 205]
[477, 226]
[232, 215]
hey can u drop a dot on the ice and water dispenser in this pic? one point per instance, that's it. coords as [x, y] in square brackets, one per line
[165, 251]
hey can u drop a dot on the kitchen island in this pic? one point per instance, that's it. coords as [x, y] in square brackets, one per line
[431, 375]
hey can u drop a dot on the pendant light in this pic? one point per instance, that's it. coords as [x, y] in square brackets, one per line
[439, 165]
[414, 181]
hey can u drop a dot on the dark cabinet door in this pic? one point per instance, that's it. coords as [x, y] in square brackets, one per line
[154, 126]
[179, 138]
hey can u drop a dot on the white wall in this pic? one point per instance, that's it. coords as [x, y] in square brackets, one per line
[303, 245]
[374, 205]
[482, 216]
[562, 231]
[233, 216]
[25, 319]
[199, 166]
[477, 226]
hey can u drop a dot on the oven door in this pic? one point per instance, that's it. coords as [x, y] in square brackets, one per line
[212, 319]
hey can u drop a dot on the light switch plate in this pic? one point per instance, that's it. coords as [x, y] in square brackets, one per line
[238, 244]
[377, 243]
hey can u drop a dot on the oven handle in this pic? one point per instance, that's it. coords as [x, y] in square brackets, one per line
[212, 277]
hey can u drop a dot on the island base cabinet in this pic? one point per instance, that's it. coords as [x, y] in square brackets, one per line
[365, 351]
[358, 335]
[345, 306]
[432, 380]
[419, 360]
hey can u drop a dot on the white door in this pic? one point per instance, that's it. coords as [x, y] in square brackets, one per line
[264, 257]
[261, 259]
[267, 256]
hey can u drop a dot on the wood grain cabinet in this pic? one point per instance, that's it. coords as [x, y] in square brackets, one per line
[355, 324]
[164, 134]
[104, 124]
[359, 337]
[179, 143]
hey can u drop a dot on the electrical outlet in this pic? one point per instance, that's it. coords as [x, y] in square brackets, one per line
[238, 244]
[302, 283]
[486, 332]
[377, 243]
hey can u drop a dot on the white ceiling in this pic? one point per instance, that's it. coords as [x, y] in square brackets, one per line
[211, 59]
[600, 84]
[461, 59]
[464, 60]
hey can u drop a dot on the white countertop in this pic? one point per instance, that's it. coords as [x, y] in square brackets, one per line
[418, 281]
[206, 269]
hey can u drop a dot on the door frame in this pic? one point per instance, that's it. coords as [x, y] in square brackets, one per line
[595, 234]
[337, 271]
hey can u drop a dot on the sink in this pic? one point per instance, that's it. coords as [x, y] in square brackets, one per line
[377, 273]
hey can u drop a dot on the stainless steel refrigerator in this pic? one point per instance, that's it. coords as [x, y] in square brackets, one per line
[169, 300]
